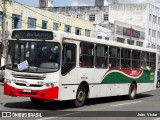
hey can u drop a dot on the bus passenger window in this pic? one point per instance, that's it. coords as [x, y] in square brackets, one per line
[118, 64]
[81, 62]
[114, 57]
[153, 60]
[135, 59]
[101, 56]
[126, 58]
[144, 59]
[86, 54]
[68, 57]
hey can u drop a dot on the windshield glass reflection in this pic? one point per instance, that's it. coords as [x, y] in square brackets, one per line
[40, 56]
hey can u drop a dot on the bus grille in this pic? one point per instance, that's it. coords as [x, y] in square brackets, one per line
[31, 85]
[28, 76]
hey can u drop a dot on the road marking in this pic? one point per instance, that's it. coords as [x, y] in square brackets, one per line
[47, 118]
[157, 119]
[126, 103]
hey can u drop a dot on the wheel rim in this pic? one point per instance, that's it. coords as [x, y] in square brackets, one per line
[81, 96]
[133, 91]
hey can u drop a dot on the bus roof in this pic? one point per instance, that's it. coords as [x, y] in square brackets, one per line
[65, 35]
[103, 42]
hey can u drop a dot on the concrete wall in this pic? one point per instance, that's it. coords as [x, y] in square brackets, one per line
[134, 14]
[129, 13]
[83, 12]
[103, 32]
[138, 15]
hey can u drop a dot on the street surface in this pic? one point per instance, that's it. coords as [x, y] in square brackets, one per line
[51, 110]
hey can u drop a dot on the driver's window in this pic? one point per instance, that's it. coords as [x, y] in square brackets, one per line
[68, 57]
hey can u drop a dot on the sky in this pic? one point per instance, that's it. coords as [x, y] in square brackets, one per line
[35, 3]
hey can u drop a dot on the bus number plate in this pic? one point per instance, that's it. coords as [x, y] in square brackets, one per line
[27, 90]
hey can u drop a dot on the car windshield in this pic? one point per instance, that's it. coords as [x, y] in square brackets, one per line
[33, 56]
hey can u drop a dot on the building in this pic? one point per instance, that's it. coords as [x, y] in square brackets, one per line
[103, 33]
[129, 34]
[45, 3]
[20, 16]
[145, 16]
[99, 14]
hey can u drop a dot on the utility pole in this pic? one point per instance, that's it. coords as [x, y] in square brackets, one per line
[4, 20]
[3, 56]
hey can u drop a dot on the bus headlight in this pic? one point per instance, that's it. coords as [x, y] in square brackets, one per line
[49, 85]
[8, 81]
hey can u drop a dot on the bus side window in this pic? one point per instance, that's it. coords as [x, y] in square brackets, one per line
[114, 58]
[153, 60]
[101, 56]
[135, 59]
[86, 54]
[125, 58]
[68, 57]
[144, 59]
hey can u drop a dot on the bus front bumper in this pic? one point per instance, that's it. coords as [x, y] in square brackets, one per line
[45, 94]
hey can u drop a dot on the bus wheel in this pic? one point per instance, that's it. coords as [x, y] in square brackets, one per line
[36, 101]
[132, 91]
[80, 96]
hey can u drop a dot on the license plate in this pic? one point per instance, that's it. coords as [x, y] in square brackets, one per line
[26, 90]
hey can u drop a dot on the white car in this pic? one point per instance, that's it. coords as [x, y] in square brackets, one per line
[2, 68]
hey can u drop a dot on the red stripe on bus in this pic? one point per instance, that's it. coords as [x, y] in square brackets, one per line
[45, 94]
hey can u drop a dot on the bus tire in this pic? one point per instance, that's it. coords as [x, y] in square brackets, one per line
[36, 101]
[132, 91]
[80, 96]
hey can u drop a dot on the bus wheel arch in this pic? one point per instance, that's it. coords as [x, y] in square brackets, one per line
[86, 86]
[81, 95]
[132, 90]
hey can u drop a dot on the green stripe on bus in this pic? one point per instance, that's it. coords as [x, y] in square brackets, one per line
[117, 77]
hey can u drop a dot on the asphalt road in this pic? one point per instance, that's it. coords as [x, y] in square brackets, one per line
[112, 107]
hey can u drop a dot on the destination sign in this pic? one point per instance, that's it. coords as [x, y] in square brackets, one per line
[32, 34]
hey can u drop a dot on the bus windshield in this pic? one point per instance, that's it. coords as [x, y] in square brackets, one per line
[38, 56]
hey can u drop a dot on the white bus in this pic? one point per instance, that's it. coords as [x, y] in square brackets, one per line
[48, 65]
